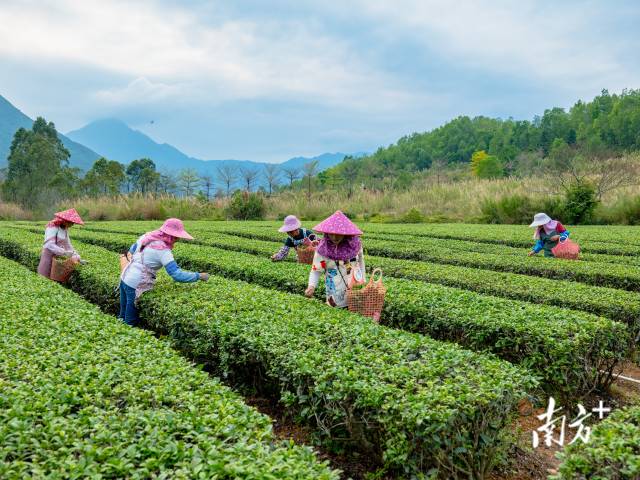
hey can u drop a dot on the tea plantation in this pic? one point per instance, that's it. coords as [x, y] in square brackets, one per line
[471, 327]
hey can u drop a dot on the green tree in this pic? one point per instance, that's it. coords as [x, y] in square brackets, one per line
[484, 165]
[104, 178]
[142, 174]
[37, 167]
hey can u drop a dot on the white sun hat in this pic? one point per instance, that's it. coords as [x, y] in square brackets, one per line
[540, 219]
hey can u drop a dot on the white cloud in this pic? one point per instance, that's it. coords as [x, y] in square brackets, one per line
[163, 47]
[139, 91]
[560, 43]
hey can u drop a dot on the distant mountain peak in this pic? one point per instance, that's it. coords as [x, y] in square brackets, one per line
[12, 119]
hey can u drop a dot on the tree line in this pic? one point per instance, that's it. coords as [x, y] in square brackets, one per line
[38, 174]
[608, 126]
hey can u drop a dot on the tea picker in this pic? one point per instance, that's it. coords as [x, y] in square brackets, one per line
[301, 239]
[552, 238]
[58, 258]
[150, 253]
[340, 257]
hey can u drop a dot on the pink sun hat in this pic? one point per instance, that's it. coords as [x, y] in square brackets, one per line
[70, 215]
[175, 228]
[338, 224]
[291, 223]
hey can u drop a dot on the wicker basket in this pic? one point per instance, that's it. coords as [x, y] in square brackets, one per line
[368, 300]
[305, 254]
[62, 268]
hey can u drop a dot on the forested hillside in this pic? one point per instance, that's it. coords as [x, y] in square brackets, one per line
[609, 122]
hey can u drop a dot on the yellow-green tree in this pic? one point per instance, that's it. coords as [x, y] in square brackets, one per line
[484, 165]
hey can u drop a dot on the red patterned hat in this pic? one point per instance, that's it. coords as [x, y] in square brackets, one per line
[70, 216]
[339, 224]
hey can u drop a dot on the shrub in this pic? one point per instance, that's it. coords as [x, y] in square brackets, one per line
[85, 396]
[418, 405]
[613, 451]
[246, 206]
[509, 209]
[412, 216]
[519, 209]
[625, 212]
[580, 203]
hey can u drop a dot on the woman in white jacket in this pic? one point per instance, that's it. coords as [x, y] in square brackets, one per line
[340, 257]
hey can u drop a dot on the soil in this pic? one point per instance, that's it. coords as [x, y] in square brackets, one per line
[353, 466]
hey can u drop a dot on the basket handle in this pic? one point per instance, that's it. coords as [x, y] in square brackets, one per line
[377, 270]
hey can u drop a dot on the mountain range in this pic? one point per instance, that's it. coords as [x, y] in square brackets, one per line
[11, 119]
[115, 140]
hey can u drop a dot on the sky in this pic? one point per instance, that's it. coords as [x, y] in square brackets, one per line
[269, 80]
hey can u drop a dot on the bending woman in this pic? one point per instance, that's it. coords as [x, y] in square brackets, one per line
[150, 253]
[547, 235]
[56, 240]
[296, 236]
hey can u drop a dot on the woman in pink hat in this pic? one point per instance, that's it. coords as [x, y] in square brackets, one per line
[339, 256]
[56, 240]
[296, 236]
[150, 253]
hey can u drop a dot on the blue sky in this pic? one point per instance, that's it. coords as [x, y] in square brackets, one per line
[268, 80]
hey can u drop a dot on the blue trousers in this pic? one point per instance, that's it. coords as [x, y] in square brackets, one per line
[128, 310]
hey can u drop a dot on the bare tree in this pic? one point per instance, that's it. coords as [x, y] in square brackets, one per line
[350, 170]
[272, 176]
[614, 173]
[207, 183]
[438, 167]
[604, 171]
[166, 183]
[188, 179]
[227, 176]
[249, 176]
[310, 170]
[292, 174]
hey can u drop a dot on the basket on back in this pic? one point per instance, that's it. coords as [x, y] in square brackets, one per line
[368, 300]
[566, 249]
[62, 268]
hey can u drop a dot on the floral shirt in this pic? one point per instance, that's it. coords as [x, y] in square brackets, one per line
[339, 276]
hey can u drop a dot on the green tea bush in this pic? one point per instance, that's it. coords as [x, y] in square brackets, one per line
[621, 276]
[616, 304]
[84, 396]
[419, 406]
[613, 450]
[568, 350]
